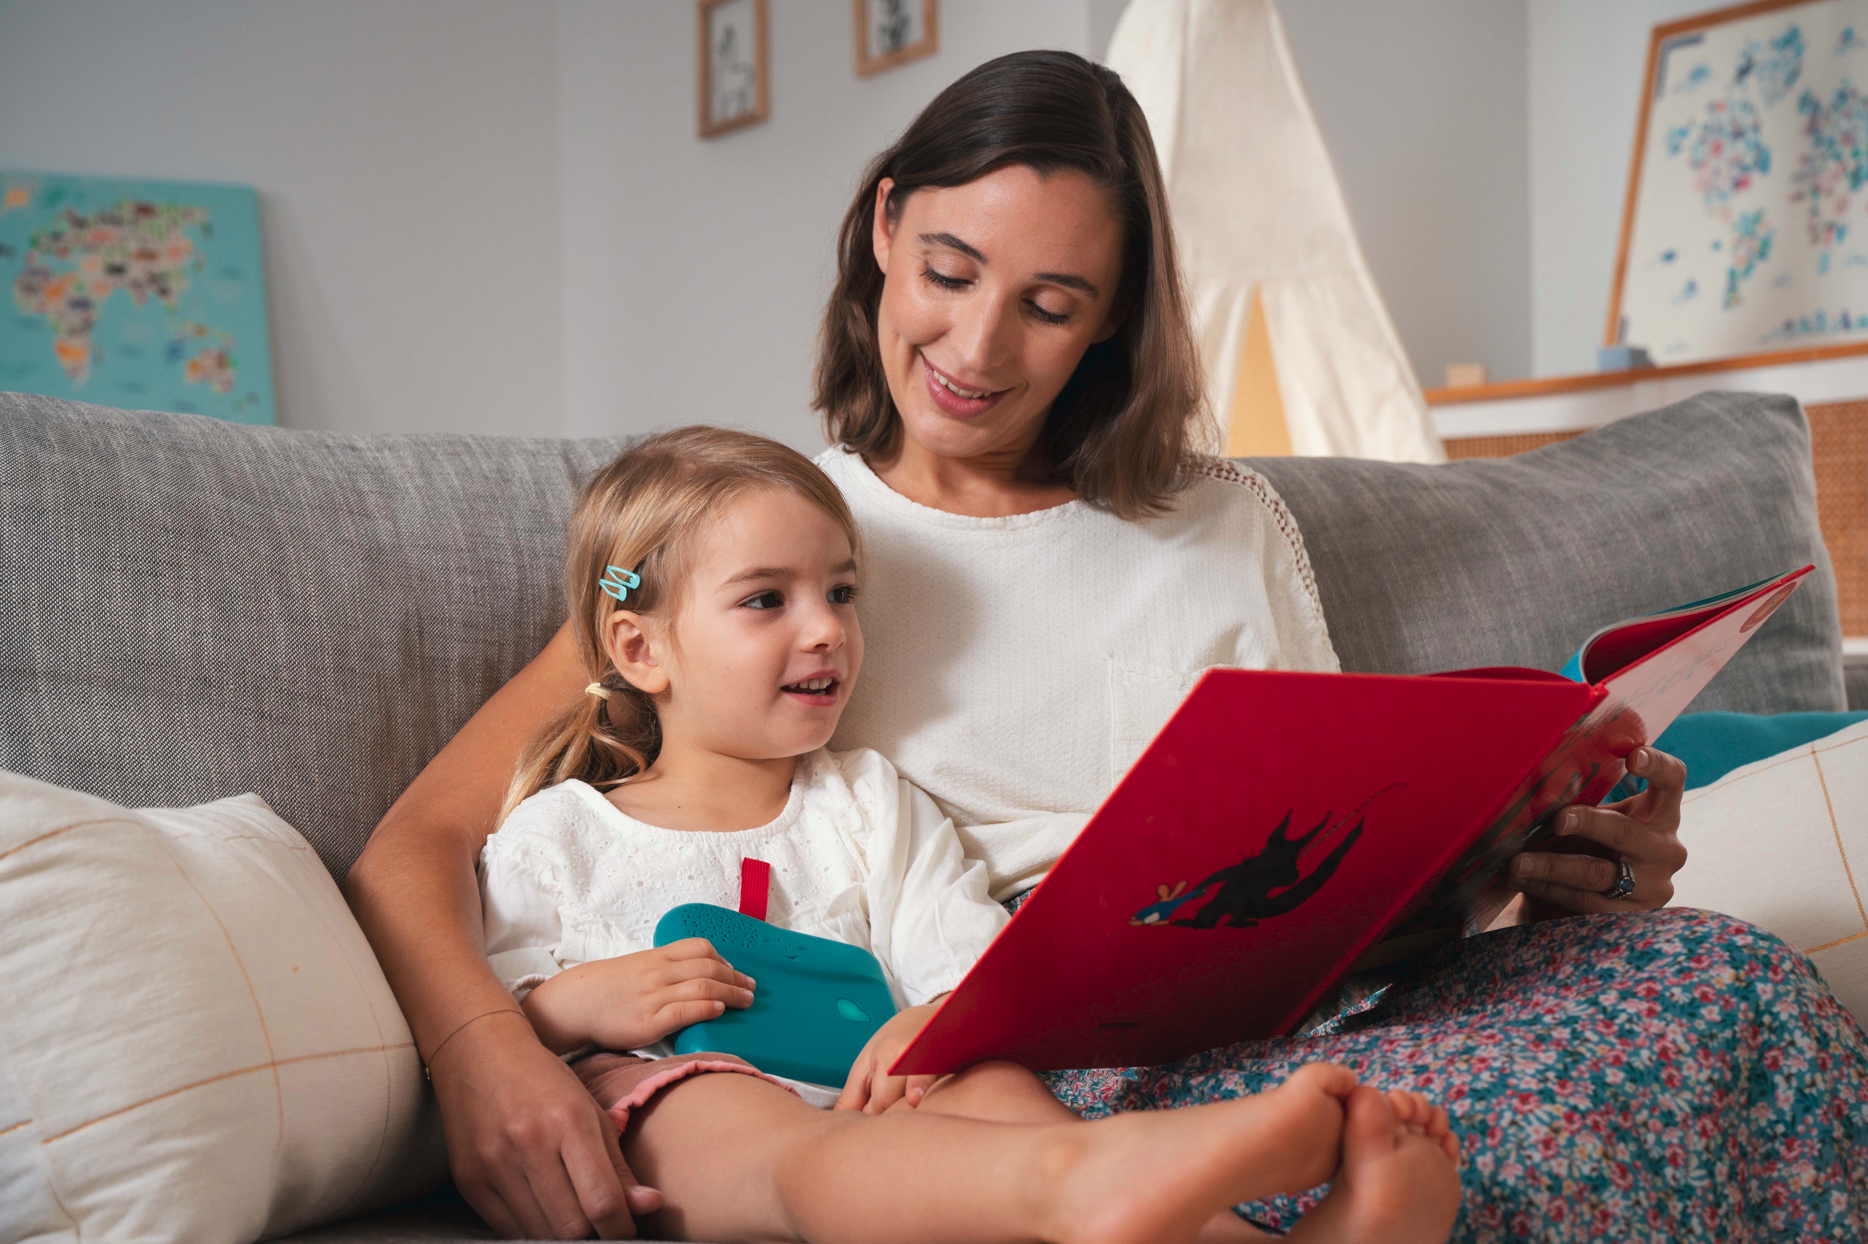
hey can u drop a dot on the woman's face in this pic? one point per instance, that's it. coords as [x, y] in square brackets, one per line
[992, 291]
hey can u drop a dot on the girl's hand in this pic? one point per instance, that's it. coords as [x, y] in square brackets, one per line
[635, 1000]
[870, 1088]
[1643, 830]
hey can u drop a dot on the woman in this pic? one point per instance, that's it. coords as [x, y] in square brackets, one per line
[1007, 370]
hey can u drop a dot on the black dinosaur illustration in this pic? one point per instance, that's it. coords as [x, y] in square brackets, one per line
[1244, 897]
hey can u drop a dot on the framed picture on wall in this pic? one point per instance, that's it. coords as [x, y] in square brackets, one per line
[145, 295]
[1745, 230]
[732, 70]
[891, 32]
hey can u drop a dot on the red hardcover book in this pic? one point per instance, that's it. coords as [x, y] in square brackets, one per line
[1281, 825]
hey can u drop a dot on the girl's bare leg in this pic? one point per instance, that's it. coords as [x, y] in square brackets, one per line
[741, 1159]
[996, 1092]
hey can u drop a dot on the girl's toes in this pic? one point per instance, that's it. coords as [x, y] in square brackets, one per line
[1450, 1144]
[1410, 1108]
[1327, 1078]
[1371, 1126]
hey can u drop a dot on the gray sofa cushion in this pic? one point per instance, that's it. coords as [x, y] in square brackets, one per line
[1515, 561]
[191, 609]
[443, 1217]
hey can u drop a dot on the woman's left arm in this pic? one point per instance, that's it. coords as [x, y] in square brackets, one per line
[1643, 831]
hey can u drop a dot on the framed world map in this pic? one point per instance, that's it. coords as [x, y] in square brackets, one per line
[147, 295]
[1746, 226]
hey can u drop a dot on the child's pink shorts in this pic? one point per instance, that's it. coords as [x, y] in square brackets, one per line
[622, 1082]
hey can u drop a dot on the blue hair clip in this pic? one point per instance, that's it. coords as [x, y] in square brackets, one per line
[616, 581]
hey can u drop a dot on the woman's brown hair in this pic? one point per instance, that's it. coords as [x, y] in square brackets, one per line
[644, 513]
[1123, 427]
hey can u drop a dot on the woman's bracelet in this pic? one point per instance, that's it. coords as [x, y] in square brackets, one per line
[429, 1061]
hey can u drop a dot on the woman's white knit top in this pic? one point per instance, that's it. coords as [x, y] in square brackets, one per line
[1015, 667]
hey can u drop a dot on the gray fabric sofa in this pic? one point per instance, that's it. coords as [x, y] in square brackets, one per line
[191, 609]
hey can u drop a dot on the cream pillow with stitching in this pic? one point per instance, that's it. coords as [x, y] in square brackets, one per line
[1783, 843]
[196, 1043]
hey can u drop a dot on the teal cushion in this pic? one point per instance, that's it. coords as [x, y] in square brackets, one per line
[1714, 744]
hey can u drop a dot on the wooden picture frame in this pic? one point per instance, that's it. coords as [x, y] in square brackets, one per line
[894, 32]
[731, 70]
[1731, 104]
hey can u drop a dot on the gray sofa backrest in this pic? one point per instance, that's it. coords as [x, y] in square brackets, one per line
[1515, 561]
[191, 609]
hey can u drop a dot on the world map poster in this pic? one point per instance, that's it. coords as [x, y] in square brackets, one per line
[1748, 222]
[147, 295]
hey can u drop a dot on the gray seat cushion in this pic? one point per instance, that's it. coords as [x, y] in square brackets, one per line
[191, 609]
[1515, 561]
[442, 1217]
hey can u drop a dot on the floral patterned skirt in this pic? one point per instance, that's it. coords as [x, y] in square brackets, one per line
[1672, 1075]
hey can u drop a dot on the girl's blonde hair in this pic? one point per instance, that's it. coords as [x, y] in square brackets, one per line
[645, 512]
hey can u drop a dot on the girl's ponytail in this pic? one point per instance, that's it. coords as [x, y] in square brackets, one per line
[644, 511]
[600, 740]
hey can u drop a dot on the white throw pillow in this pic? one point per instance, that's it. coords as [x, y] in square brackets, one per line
[196, 1043]
[1783, 843]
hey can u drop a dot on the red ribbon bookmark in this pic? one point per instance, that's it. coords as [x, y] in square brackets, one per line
[755, 883]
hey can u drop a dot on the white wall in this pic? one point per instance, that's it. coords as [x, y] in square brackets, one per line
[695, 271]
[405, 155]
[494, 215]
[1423, 108]
[1587, 58]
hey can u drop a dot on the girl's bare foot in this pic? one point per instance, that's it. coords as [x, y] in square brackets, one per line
[1423, 1118]
[1156, 1177]
[1399, 1182]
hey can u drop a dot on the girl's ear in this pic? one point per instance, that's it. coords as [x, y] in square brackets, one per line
[632, 649]
[882, 229]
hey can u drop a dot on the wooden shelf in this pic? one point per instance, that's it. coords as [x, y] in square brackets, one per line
[1548, 385]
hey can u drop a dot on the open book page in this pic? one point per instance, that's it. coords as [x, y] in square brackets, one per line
[1649, 669]
[1619, 644]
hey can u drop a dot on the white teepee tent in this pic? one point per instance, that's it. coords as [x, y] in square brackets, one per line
[1299, 352]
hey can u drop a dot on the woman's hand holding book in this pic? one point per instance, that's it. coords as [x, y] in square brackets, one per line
[1576, 871]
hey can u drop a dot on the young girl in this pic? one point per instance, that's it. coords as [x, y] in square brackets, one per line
[713, 579]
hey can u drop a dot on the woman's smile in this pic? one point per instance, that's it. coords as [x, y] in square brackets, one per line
[953, 398]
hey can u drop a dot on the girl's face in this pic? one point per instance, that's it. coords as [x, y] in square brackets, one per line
[992, 292]
[764, 649]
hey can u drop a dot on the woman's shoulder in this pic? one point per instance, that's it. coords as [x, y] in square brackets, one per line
[1243, 502]
[860, 785]
[1231, 486]
[860, 768]
[835, 462]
